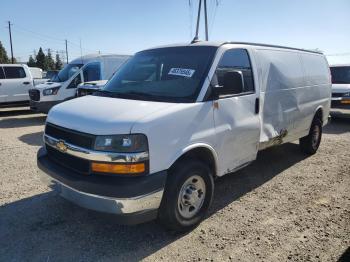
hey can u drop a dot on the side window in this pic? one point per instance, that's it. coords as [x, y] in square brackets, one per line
[75, 82]
[12, 72]
[92, 72]
[2, 75]
[236, 59]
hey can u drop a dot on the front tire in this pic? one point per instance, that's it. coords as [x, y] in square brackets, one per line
[310, 143]
[187, 196]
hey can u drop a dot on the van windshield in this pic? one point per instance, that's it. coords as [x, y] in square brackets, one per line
[67, 72]
[173, 74]
[340, 75]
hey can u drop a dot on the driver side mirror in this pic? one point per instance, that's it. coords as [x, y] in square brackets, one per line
[233, 83]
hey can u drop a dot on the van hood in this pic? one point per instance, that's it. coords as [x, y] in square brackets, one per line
[340, 88]
[47, 85]
[102, 115]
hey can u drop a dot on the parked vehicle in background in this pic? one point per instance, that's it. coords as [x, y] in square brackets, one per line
[150, 143]
[15, 81]
[340, 86]
[49, 74]
[63, 86]
[37, 74]
[88, 88]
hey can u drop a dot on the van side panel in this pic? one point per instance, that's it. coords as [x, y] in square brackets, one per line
[110, 65]
[281, 80]
[290, 93]
[318, 79]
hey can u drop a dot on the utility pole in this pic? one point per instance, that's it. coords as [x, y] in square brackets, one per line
[206, 20]
[195, 39]
[66, 51]
[12, 60]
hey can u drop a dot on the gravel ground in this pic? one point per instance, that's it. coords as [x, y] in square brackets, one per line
[283, 207]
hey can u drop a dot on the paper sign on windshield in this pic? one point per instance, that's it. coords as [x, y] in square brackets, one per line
[181, 72]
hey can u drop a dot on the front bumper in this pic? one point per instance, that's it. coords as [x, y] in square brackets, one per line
[42, 106]
[134, 199]
[341, 102]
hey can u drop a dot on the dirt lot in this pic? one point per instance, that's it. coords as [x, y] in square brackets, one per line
[284, 207]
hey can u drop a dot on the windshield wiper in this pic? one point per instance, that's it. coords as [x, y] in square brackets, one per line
[105, 93]
[141, 95]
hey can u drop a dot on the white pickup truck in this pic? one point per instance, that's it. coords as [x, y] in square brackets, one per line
[15, 81]
[150, 143]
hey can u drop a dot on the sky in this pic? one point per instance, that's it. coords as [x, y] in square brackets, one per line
[125, 27]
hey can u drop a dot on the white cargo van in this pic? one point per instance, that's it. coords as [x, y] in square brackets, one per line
[341, 87]
[63, 86]
[15, 81]
[37, 74]
[150, 143]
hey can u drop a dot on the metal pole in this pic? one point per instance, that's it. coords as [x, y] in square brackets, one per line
[198, 19]
[66, 51]
[206, 21]
[12, 60]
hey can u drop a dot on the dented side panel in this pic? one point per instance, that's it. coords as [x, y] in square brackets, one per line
[291, 92]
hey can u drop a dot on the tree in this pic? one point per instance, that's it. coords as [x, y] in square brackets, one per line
[41, 59]
[50, 63]
[31, 61]
[3, 55]
[58, 64]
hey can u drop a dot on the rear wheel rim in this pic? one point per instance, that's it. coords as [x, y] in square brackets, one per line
[316, 132]
[191, 197]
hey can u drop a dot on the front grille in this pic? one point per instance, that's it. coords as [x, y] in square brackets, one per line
[70, 136]
[34, 94]
[77, 164]
[337, 94]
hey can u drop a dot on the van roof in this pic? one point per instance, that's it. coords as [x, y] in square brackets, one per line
[218, 44]
[339, 65]
[94, 56]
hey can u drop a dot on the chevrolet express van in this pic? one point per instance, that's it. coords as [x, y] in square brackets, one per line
[63, 86]
[151, 142]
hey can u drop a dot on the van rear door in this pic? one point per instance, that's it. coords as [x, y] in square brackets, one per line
[236, 116]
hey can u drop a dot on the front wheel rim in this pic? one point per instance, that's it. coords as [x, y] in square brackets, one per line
[191, 197]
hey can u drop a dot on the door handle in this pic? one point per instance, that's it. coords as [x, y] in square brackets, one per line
[257, 105]
[26, 83]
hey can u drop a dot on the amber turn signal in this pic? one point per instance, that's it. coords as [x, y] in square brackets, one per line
[118, 168]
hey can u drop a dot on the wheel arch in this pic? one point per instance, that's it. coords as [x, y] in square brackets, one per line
[318, 113]
[200, 151]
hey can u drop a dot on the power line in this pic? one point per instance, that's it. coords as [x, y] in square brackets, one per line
[215, 5]
[39, 34]
[46, 37]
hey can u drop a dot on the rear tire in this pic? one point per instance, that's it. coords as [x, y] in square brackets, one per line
[187, 196]
[310, 143]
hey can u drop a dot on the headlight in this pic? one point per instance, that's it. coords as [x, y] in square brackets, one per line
[122, 143]
[51, 91]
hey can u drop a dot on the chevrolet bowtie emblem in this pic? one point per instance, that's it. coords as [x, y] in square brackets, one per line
[61, 145]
